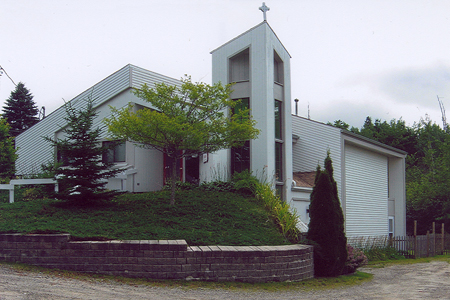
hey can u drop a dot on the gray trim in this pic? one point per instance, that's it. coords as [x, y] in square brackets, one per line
[366, 139]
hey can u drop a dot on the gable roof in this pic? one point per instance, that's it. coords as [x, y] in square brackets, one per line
[33, 150]
[263, 23]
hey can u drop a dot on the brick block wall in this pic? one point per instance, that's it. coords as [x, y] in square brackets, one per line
[163, 259]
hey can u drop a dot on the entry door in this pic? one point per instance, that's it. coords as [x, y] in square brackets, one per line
[192, 169]
[168, 161]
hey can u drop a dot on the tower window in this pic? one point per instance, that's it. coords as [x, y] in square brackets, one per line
[240, 66]
[278, 112]
[278, 161]
[278, 74]
[278, 119]
[240, 156]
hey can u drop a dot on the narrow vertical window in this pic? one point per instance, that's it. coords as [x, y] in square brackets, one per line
[391, 226]
[278, 120]
[279, 161]
[278, 69]
[240, 156]
[278, 140]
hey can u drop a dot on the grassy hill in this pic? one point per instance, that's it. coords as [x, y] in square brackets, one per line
[199, 217]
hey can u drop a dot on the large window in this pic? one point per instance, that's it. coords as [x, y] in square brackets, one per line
[115, 152]
[240, 156]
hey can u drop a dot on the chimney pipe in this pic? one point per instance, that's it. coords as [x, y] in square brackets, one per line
[296, 107]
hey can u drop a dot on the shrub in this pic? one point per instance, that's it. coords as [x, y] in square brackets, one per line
[355, 259]
[326, 225]
[181, 186]
[32, 193]
[383, 253]
[245, 183]
[218, 186]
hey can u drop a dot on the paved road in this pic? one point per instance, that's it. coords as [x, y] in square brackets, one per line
[416, 281]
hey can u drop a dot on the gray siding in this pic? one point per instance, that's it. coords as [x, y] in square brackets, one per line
[311, 148]
[33, 150]
[366, 192]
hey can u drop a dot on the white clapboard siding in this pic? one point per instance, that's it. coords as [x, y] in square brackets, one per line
[33, 150]
[366, 192]
[315, 139]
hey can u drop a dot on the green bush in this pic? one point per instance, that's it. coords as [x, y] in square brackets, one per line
[326, 225]
[181, 186]
[383, 253]
[218, 186]
[245, 183]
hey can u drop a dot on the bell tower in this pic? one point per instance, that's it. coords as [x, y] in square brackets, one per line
[258, 65]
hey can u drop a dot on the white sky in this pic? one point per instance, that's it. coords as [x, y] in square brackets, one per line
[350, 58]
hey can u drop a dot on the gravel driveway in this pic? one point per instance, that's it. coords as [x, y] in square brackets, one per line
[415, 281]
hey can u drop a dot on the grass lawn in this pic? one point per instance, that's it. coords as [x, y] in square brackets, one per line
[199, 217]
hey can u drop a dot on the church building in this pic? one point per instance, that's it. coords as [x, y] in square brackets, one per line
[370, 176]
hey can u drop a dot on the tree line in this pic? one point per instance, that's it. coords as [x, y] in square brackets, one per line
[427, 166]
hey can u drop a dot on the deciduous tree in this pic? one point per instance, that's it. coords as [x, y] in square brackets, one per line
[186, 120]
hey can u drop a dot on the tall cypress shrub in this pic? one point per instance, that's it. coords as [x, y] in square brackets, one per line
[326, 225]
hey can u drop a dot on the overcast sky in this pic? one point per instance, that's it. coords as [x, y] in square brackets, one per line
[350, 58]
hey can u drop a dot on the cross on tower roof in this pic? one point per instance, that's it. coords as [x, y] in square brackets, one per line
[264, 8]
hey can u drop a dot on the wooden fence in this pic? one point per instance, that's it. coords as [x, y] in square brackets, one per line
[414, 246]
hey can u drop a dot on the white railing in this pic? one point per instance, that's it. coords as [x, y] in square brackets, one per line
[14, 182]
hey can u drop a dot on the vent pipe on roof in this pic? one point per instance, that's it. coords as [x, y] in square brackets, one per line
[296, 107]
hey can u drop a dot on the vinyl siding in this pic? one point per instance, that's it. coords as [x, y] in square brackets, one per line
[311, 148]
[366, 192]
[33, 150]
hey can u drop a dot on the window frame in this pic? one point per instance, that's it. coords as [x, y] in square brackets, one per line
[244, 164]
[107, 154]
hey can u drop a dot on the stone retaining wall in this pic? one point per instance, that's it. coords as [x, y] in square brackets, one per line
[163, 259]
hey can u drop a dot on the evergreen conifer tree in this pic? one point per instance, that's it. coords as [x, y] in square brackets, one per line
[20, 110]
[7, 152]
[326, 225]
[82, 178]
